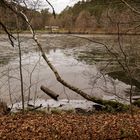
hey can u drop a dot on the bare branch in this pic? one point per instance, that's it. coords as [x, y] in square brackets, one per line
[10, 36]
[52, 8]
[130, 7]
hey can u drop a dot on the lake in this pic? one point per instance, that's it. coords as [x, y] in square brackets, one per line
[81, 62]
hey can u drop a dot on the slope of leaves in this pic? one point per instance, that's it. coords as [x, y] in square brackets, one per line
[70, 126]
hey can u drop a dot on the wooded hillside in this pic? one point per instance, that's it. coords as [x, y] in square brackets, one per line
[99, 16]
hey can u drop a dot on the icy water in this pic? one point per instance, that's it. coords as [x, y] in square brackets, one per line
[80, 62]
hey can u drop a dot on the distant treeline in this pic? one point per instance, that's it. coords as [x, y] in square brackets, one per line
[90, 16]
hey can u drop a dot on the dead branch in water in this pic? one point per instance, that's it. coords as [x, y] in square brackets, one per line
[49, 92]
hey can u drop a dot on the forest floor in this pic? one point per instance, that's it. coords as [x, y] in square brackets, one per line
[70, 126]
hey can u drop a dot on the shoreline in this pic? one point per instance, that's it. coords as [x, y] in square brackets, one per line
[75, 33]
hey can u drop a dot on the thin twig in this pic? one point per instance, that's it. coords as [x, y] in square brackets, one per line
[10, 36]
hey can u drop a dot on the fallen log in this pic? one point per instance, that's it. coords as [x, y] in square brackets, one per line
[49, 92]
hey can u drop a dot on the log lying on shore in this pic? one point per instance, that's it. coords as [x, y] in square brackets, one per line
[136, 97]
[49, 92]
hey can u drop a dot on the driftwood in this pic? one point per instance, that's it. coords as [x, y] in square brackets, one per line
[136, 97]
[49, 92]
[35, 108]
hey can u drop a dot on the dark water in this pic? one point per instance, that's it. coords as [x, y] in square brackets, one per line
[80, 62]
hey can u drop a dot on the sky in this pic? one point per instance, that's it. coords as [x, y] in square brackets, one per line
[60, 5]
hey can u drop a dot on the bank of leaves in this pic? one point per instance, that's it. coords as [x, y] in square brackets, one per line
[66, 126]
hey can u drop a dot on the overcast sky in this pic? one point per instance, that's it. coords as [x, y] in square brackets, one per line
[59, 5]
